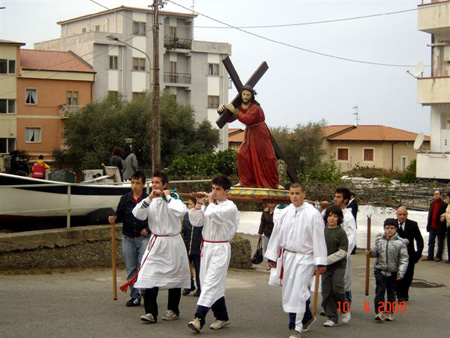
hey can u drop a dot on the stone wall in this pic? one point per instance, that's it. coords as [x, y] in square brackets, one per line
[80, 247]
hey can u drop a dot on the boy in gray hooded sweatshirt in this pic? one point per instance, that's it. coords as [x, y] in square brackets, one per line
[390, 266]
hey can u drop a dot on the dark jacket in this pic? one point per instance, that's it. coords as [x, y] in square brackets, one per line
[192, 236]
[412, 233]
[266, 225]
[132, 227]
[440, 226]
[354, 206]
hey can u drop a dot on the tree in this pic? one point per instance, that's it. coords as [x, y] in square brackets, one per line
[93, 132]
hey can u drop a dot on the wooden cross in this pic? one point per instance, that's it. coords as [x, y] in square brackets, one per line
[252, 81]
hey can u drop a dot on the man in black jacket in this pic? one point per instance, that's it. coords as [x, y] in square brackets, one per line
[135, 233]
[410, 230]
[436, 227]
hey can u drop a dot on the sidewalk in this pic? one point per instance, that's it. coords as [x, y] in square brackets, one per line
[80, 304]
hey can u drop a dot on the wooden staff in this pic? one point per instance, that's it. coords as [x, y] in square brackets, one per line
[248, 199]
[316, 292]
[114, 267]
[369, 223]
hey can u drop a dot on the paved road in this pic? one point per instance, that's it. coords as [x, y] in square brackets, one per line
[79, 304]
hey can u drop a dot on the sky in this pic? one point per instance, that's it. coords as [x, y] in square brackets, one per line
[324, 57]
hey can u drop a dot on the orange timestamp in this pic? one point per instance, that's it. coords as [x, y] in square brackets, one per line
[383, 307]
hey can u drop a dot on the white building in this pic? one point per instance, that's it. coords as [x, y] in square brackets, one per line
[191, 70]
[434, 91]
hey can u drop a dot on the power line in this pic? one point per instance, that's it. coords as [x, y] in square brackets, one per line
[293, 46]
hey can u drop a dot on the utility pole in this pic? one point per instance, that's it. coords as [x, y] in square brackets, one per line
[156, 121]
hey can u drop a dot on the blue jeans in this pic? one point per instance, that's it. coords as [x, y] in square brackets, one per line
[133, 249]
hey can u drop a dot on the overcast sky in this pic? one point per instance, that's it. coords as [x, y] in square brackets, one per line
[300, 86]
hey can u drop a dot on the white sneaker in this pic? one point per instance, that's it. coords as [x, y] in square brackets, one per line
[294, 334]
[345, 317]
[148, 318]
[329, 323]
[389, 317]
[170, 315]
[379, 317]
[195, 325]
[218, 324]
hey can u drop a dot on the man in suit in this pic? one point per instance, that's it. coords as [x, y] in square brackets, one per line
[410, 230]
[436, 227]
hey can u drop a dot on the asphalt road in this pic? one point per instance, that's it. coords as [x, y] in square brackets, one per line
[79, 304]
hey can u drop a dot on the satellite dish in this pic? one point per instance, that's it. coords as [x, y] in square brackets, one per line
[419, 140]
[418, 72]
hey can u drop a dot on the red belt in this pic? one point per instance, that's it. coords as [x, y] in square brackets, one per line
[204, 240]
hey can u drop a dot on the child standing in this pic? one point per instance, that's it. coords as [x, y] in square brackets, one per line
[390, 266]
[333, 290]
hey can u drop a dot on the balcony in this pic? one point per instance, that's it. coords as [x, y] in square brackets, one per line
[434, 17]
[172, 43]
[65, 110]
[433, 165]
[178, 78]
[433, 90]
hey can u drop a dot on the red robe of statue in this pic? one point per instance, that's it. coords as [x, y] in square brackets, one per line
[257, 165]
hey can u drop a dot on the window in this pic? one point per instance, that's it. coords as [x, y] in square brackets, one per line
[72, 100]
[113, 94]
[342, 154]
[32, 135]
[83, 30]
[11, 66]
[213, 101]
[139, 28]
[139, 64]
[213, 69]
[137, 95]
[97, 28]
[173, 33]
[7, 106]
[404, 161]
[31, 96]
[3, 66]
[113, 62]
[368, 155]
[7, 145]
[173, 72]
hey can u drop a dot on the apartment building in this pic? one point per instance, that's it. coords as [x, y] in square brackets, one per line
[434, 90]
[118, 44]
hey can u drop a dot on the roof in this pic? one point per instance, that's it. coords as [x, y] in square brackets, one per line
[374, 133]
[235, 135]
[124, 8]
[7, 42]
[53, 61]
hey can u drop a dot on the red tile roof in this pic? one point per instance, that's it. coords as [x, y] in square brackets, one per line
[53, 61]
[235, 135]
[375, 133]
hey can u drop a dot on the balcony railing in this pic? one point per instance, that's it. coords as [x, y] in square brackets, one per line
[433, 90]
[183, 78]
[66, 109]
[171, 42]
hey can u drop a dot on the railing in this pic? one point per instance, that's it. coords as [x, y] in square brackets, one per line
[177, 43]
[184, 78]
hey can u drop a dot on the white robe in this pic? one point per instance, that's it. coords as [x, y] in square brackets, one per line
[349, 226]
[220, 223]
[166, 263]
[300, 232]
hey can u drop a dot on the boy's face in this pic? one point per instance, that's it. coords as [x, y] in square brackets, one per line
[157, 183]
[219, 194]
[137, 186]
[332, 220]
[390, 230]
[191, 204]
[339, 200]
[297, 196]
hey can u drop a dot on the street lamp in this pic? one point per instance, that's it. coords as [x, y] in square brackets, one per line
[155, 154]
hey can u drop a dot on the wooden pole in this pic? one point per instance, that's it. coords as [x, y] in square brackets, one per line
[114, 264]
[369, 224]
[316, 292]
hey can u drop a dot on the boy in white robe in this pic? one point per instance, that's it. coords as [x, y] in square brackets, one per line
[220, 220]
[298, 235]
[165, 263]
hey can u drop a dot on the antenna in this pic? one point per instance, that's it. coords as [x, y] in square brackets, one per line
[356, 114]
[419, 141]
[418, 72]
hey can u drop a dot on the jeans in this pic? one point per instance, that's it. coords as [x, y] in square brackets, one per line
[306, 317]
[440, 243]
[133, 250]
[151, 305]
[196, 260]
[384, 283]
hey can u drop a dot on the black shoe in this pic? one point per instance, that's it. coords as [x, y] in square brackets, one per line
[186, 292]
[197, 293]
[133, 302]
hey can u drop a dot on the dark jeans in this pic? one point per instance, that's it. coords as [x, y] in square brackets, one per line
[196, 260]
[333, 291]
[151, 306]
[384, 283]
[404, 284]
[440, 243]
[307, 316]
[219, 310]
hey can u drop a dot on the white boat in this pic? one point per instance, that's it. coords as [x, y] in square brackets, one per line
[25, 199]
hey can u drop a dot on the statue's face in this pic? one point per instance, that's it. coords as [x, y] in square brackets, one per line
[246, 96]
